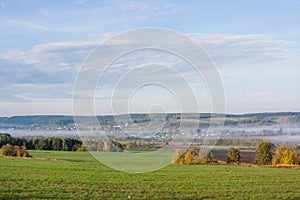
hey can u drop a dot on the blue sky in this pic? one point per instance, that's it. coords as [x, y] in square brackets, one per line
[255, 45]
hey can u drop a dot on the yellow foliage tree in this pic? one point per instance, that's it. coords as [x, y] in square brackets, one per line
[285, 155]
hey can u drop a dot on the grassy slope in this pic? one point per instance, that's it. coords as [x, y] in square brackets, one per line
[78, 175]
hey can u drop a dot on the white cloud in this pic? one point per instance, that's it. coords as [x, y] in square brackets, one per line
[250, 49]
[28, 24]
[27, 97]
[46, 71]
[24, 92]
[51, 57]
[225, 50]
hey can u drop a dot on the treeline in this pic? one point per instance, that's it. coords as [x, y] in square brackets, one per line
[238, 142]
[103, 145]
[234, 142]
[70, 144]
[266, 154]
[192, 156]
[116, 146]
[50, 143]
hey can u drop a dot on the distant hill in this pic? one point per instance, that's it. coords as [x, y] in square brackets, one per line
[37, 119]
[172, 119]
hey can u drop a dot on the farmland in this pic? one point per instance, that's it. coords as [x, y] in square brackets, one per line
[77, 175]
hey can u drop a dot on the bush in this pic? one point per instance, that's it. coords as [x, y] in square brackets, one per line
[9, 150]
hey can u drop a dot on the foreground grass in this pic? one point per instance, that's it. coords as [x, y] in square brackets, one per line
[71, 175]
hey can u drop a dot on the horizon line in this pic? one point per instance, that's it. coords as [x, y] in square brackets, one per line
[137, 113]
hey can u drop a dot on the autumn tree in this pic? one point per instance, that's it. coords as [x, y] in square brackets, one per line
[190, 156]
[178, 157]
[7, 150]
[209, 159]
[234, 156]
[24, 152]
[285, 155]
[264, 153]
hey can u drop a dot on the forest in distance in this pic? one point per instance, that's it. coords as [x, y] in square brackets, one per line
[253, 119]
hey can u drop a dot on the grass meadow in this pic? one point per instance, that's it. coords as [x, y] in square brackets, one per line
[78, 175]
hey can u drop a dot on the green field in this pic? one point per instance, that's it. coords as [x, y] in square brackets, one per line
[77, 175]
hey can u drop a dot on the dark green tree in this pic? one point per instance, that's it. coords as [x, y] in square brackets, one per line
[234, 156]
[57, 144]
[264, 153]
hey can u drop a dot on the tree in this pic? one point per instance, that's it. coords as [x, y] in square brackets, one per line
[7, 150]
[24, 152]
[40, 144]
[234, 156]
[128, 145]
[190, 156]
[264, 153]
[178, 157]
[5, 139]
[285, 155]
[57, 144]
[64, 145]
[209, 159]
[17, 151]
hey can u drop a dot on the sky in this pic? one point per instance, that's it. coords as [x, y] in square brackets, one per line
[255, 46]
